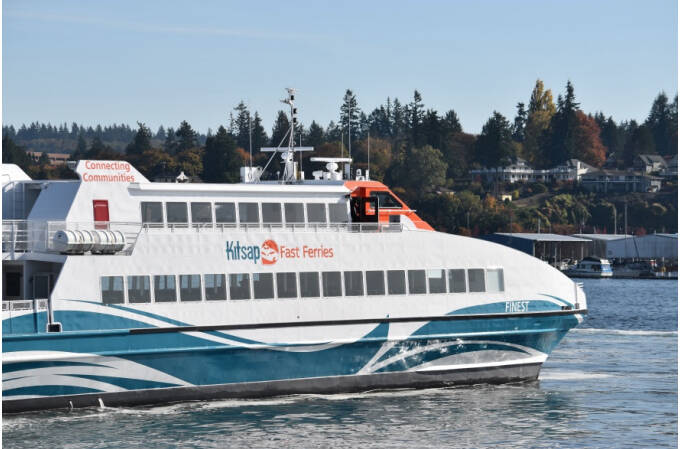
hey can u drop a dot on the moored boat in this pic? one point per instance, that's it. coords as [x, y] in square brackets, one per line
[590, 267]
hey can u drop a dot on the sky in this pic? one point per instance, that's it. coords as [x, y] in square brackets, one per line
[161, 62]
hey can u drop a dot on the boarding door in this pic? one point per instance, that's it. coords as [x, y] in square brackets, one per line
[101, 213]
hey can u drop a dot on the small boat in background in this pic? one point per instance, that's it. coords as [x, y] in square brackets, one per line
[590, 267]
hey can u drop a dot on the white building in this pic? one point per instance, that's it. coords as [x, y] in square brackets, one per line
[520, 171]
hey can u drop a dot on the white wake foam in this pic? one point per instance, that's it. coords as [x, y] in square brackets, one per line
[571, 375]
[626, 332]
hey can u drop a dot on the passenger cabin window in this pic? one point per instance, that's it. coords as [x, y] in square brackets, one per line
[113, 291]
[164, 288]
[396, 282]
[494, 280]
[225, 213]
[176, 214]
[457, 281]
[248, 213]
[215, 287]
[375, 283]
[239, 286]
[316, 213]
[386, 200]
[263, 285]
[201, 213]
[436, 281]
[354, 283]
[152, 213]
[332, 283]
[190, 287]
[476, 279]
[416, 281]
[271, 213]
[139, 289]
[338, 213]
[295, 213]
[309, 284]
[286, 285]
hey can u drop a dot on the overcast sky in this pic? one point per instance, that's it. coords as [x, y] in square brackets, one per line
[161, 62]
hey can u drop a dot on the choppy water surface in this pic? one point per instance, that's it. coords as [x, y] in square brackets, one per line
[611, 383]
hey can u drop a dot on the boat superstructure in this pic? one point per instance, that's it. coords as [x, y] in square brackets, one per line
[123, 291]
[591, 267]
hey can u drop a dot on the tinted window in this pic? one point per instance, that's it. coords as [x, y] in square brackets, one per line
[457, 281]
[225, 213]
[476, 279]
[176, 213]
[164, 288]
[286, 285]
[416, 281]
[201, 213]
[139, 289]
[354, 283]
[248, 213]
[436, 281]
[309, 284]
[375, 283]
[271, 213]
[338, 213]
[263, 285]
[112, 290]
[215, 287]
[316, 213]
[295, 213]
[494, 280]
[396, 282]
[152, 212]
[386, 200]
[239, 286]
[190, 287]
[332, 283]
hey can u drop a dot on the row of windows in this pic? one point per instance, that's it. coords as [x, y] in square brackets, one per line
[177, 213]
[311, 284]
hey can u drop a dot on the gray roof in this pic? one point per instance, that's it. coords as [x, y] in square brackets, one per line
[542, 237]
[604, 236]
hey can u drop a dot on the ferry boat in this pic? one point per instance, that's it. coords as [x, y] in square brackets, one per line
[591, 267]
[121, 291]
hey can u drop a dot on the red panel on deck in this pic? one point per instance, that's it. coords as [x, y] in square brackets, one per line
[101, 213]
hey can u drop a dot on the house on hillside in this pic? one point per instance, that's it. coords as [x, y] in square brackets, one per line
[620, 181]
[649, 163]
[520, 171]
[671, 170]
[54, 158]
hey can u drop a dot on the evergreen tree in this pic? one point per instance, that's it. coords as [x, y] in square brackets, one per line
[451, 124]
[260, 138]
[281, 127]
[660, 123]
[242, 126]
[540, 112]
[349, 116]
[520, 123]
[415, 118]
[398, 119]
[560, 144]
[160, 134]
[186, 137]
[141, 141]
[14, 154]
[170, 144]
[221, 161]
[314, 135]
[494, 146]
[432, 129]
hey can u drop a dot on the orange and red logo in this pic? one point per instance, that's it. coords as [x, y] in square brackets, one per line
[270, 252]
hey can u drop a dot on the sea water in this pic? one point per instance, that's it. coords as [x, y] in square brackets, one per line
[611, 383]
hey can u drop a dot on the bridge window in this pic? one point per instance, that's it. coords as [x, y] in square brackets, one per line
[164, 288]
[286, 285]
[190, 287]
[386, 200]
[476, 279]
[332, 283]
[309, 284]
[338, 213]
[152, 212]
[139, 289]
[271, 213]
[295, 212]
[457, 281]
[225, 213]
[316, 213]
[436, 281]
[248, 213]
[215, 287]
[263, 285]
[416, 281]
[494, 280]
[201, 213]
[113, 291]
[176, 213]
[354, 283]
[239, 286]
[375, 283]
[396, 282]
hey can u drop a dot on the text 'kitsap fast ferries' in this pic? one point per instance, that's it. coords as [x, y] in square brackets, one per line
[121, 291]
